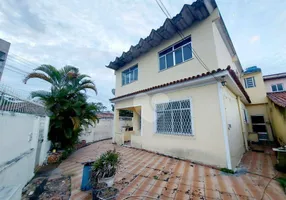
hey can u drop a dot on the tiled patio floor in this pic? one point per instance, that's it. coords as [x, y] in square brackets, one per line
[145, 175]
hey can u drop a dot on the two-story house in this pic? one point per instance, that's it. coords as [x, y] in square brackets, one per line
[185, 91]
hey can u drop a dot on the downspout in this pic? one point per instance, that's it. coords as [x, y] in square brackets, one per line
[224, 125]
[241, 124]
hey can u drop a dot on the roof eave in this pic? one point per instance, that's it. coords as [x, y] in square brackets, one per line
[197, 11]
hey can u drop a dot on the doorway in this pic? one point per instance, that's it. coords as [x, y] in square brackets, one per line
[259, 127]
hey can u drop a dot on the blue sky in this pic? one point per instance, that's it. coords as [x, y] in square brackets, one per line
[91, 33]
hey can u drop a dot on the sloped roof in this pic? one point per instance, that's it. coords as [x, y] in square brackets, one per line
[105, 115]
[231, 72]
[279, 98]
[197, 11]
[274, 76]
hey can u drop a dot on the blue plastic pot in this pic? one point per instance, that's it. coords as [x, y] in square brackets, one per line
[85, 184]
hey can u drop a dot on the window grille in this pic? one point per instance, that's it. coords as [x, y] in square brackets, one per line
[174, 118]
[249, 82]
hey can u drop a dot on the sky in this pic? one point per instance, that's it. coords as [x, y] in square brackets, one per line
[89, 34]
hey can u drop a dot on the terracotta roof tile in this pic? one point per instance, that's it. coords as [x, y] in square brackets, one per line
[279, 98]
[105, 115]
[231, 72]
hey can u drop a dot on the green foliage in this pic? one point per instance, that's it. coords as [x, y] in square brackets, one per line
[229, 171]
[66, 153]
[105, 166]
[66, 102]
[282, 182]
[125, 113]
[101, 107]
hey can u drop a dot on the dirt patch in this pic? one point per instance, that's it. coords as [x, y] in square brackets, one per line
[48, 184]
[42, 188]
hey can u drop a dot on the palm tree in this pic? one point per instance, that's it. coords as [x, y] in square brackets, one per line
[66, 103]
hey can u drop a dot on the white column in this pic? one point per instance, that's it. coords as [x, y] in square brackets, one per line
[116, 123]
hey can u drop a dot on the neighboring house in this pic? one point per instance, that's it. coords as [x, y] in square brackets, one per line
[180, 108]
[258, 122]
[275, 86]
[4, 49]
[268, 108]
[275, 82]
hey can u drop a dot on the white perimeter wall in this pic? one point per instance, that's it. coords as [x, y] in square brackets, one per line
[19, 134]
[102, 130]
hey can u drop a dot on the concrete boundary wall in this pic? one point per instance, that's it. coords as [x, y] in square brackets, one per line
[23, 146]
[103, 129]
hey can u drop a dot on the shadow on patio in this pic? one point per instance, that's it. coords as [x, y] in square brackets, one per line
[145, 175]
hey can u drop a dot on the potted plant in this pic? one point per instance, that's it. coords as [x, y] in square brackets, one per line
[106, 166]
[95, 175]
[102, 175]
[108, 193]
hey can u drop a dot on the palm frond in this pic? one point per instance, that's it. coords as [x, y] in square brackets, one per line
[69, 68]
[40, 94]
[51, 71]
[82, 76]
[37, 75]
[87, 86]
[76, 122]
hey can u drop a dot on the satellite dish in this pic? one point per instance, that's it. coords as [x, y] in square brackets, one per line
[113, 91]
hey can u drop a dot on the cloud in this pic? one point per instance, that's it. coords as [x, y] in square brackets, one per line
[254, 39]
[89, 34]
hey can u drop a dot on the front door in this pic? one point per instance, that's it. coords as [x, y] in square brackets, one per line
[259, 127]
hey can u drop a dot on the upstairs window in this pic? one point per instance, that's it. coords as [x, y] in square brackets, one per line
[277, 87]
[176, 54]
[249, 82]
[130, 75]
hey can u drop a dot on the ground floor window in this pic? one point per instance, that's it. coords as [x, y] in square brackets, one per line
[174, 118]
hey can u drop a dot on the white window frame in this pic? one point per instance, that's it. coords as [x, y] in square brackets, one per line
[173, 133]
[173, 53]
[253, 81]
[131, 73]
[245, 116]
[276, 85]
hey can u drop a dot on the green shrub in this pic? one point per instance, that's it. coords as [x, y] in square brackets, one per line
[229, 171]
[282, 182]
[66, 153]
[105, 166]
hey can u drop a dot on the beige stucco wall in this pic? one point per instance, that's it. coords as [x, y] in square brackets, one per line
[102, 130]
[257, 94]
[223, 56]
[278, 119]
[148, 64]
[269, 83]
[207, 144]
[234, 119]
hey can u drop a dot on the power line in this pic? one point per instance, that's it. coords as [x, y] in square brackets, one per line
[15, 60]
[24, 60]
[16, 68]
[166, 12]
[14, 71]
